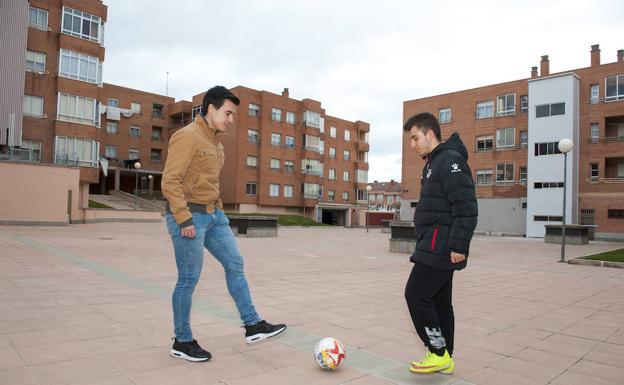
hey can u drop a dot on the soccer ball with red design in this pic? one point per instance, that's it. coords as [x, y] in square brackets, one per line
[329, 353]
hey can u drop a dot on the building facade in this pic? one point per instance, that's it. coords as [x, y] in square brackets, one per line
[385, 196]
[288, 156]
[511, 131]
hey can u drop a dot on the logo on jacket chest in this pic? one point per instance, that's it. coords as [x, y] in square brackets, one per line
[455, 168]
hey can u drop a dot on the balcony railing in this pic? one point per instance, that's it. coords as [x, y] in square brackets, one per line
[605, 180]
[520, 146]
[607, 139]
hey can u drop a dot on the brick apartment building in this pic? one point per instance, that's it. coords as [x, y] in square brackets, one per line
[511, 131]
[385, 196]
[283, 156]
[288, 156]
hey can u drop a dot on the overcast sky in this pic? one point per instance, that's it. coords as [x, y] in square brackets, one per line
[360, 59]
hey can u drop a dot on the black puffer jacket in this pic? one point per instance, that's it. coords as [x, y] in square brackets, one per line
[446, 214]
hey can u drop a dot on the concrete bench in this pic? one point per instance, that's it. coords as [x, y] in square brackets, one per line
[403, 237]
[385, 226]
[575, 234]
[253, 226]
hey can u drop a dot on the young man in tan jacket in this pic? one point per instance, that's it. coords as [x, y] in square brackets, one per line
[195, 220]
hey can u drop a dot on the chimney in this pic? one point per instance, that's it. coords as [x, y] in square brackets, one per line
[595, 55]
[285, 92]
[533, 72]
[545, 66]
[620, 55]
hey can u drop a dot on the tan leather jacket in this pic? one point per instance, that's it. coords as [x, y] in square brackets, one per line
[194, 161]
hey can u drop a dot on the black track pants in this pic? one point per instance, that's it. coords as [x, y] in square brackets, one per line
[429, 298]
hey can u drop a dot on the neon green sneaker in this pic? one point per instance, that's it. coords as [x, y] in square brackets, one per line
[432, 363]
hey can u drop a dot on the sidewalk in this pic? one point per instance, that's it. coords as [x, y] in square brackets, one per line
[90, 304]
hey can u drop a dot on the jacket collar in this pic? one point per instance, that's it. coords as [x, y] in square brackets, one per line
[203, 123]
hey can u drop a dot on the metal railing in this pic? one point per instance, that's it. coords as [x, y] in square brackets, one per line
[605, 180]
[607, 139]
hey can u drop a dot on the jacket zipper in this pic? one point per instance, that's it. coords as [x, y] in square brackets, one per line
[433, 240]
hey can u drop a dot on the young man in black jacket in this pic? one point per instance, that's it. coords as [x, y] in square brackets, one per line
[444, 221]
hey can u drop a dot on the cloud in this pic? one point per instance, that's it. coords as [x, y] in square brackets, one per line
[361, 60]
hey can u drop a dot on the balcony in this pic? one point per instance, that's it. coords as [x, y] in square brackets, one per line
[521, 146]
[362, 146]
[605, 180]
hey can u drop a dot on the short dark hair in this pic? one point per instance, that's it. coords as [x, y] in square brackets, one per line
[424, 122]
[217, 96]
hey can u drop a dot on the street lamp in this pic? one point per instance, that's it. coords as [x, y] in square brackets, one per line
[151, 186]
[368, 190]
[137, 166]
[565, 146]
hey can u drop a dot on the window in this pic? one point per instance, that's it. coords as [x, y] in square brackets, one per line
[252, 161]
[524, 138]
[504, 173]
[547, 218]
[135, 131]
[547, 148]
[593, 170]
[347, 135]
[345, 176]
[135, 107]
[275, 164]
[112, 102]
[250, 189]
[29, 151]
[485, 110]
[332, 153]
[276, 139]
[288, 191]
[290, 117]
[35, 61]
[157, 111]
[254, 110]
[544, 110]
[390, 199]
[312, 143]
[156, 155]
[75, 151]
[594, 93]
[80, 66]
[38, 18]
[312, 119]
[312, 190]
[346, 155]
[253, 136]
[614, 88]
[289, 166]
[361, 176]
[332, 132]
[615, 214]
[332, 173]
[33, 106]
[112, 128]
[133, 154]
[156, 133]
[523, 174]
[274, 190]
[444, 115]
[485, 143]
[276, 114]
[380, 197]
[81, 24]
[345, 196]
[484, 177]
[331, 195]
[196, 111]
[594, 132]
[506, 105]
[111, 151]
[311, 167]
[290, 141]
[542, 185]
[506, 137]
[78, 109]
[524, 103]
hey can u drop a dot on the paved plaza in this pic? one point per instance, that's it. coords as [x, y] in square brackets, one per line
[90, 304]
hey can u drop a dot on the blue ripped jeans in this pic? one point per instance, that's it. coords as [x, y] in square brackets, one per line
[213, 233]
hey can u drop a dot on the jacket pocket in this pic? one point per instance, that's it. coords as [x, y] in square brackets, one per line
[194, 185]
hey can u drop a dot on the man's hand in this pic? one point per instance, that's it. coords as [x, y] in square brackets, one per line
[457, 257]
[188, 232]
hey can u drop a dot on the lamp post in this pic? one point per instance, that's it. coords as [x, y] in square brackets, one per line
[151, 186]
[565, 145]
[137, 166]
[368, 190]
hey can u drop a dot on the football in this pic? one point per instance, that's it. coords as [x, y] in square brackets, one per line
[329, 353]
